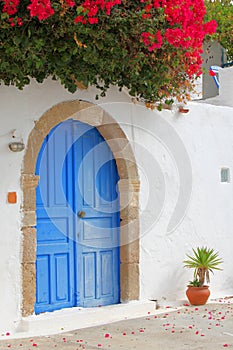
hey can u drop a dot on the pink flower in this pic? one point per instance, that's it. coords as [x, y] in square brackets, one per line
[211, 73]
[93, 20]
[41, 9]
[210, 27]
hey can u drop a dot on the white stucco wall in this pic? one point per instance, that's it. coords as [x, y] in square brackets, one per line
[177, 154]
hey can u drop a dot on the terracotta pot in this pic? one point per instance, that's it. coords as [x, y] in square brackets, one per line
[198, 295]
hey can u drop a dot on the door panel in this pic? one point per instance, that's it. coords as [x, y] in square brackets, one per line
[62, 276]
[77, 257]
[89, 275]
[106, 266]
[43, 282]
[55, 224]
[99, 229]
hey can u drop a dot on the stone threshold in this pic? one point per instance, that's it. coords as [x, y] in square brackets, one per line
[76, 318]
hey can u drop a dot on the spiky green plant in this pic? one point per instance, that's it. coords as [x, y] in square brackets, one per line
[204, 260]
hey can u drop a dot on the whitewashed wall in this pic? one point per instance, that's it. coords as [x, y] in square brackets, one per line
[169, 147]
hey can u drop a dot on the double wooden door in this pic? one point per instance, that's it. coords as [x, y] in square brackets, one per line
[77, 210]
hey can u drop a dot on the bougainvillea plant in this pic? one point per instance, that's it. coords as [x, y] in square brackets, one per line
[222, 12]
[151, 47]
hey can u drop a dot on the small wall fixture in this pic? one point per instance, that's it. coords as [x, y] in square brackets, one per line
[225, 175]
[183, 109]
[16, 146]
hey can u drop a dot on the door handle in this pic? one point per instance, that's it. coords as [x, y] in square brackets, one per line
[81, 214]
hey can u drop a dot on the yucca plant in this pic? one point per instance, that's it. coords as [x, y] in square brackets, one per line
[203, 261]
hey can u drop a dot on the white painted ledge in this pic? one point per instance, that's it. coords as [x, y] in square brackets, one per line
[76, 318]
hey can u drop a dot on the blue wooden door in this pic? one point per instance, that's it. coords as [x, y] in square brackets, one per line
[77, 220]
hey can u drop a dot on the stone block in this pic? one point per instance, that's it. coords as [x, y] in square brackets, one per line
[130, 252]
[29, 289]
[29, 218]
[29, 200]
[29, 244]
[129, 232]
[129, 213]
[129, 281]
[92, 115]
[29, 181]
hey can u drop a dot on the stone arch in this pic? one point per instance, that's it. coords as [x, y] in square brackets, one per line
[128, 187]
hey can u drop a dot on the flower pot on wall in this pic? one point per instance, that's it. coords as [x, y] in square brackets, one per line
[198, 295]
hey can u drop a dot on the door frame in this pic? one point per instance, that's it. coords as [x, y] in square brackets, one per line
[128, 185]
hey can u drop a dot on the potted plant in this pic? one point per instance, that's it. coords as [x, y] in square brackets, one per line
[203, 261]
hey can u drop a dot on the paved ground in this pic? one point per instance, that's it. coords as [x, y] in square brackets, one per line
[206, 327]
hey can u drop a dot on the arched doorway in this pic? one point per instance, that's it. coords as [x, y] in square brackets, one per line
[128, 187]
[78, 221]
